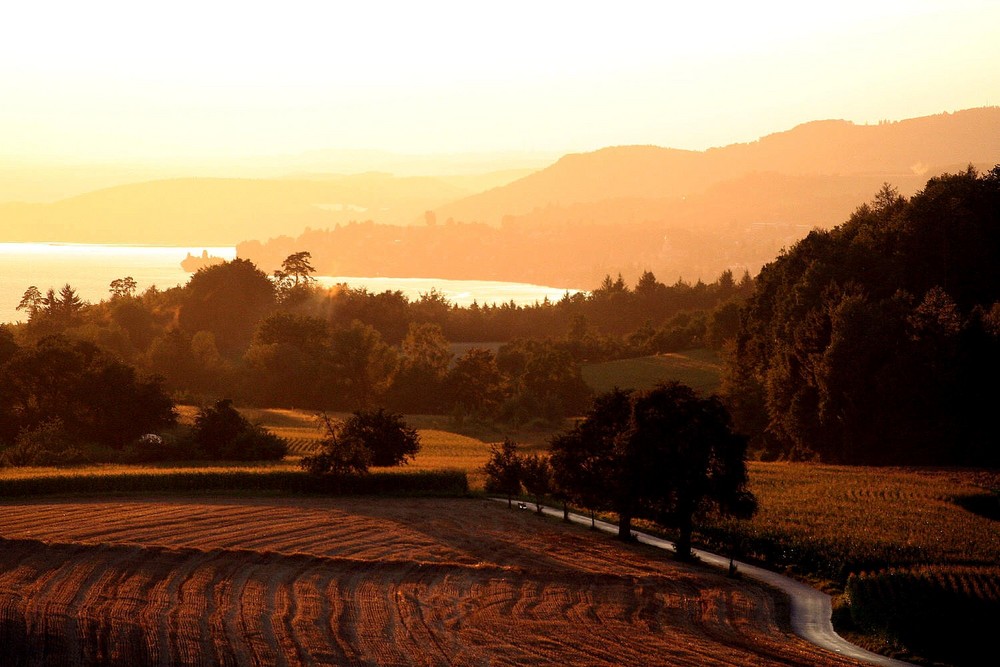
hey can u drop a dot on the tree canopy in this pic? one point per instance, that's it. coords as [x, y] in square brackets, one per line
[366, 438]
[666, 454]
[97, 398]
[876, 342]
[228, 300]
[221, 432]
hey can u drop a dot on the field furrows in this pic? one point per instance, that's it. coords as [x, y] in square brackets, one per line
[455, 583]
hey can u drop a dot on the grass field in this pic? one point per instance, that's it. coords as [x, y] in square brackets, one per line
[700, 369]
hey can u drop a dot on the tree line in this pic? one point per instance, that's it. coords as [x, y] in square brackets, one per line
[67, 401]
[284, 341]
[879, 341]
[665, 455]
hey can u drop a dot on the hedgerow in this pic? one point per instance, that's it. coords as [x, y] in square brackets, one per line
[389, 483]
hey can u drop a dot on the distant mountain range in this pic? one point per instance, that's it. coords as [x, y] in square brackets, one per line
[854, 159]
[690, 213]
[223, 211]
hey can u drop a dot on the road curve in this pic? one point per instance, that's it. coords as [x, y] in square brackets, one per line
[811, 610]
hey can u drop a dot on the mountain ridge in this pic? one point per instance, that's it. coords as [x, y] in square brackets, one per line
[896, 149]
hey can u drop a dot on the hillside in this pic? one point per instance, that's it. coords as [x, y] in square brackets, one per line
[685, 214]
[690, 214]
[904, 153]
[223, 211]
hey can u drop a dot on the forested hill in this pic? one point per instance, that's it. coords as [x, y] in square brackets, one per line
[879, 341]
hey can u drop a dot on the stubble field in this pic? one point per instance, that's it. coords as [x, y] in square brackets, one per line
[360, 582]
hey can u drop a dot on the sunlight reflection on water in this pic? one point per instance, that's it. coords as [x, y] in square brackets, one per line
[91, 268]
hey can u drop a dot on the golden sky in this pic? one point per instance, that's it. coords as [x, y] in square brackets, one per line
[109, 80]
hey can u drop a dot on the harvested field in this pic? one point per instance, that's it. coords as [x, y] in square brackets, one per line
[361, 582]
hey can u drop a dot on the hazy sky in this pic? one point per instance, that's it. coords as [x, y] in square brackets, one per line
[125, 79]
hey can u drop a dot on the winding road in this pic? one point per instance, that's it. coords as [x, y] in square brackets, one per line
[811, 610]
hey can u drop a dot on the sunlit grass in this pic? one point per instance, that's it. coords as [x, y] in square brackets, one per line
[173, 467]
[699, 369]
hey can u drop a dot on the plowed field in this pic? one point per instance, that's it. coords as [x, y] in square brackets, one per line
[361, 582]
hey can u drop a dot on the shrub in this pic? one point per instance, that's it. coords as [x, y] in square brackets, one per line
[223, 433]
[366, 438]
[390, 440]
[46, 444]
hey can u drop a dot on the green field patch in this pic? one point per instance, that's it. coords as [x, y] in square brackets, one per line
[699, 369]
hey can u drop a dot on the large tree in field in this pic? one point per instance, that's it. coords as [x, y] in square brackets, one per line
[666, 454]
[693, 461]
[366, 438]
[221, 432]
[386, 434]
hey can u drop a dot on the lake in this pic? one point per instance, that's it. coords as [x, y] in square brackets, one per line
[91, 268]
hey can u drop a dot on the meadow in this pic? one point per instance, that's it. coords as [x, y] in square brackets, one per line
[699, 369]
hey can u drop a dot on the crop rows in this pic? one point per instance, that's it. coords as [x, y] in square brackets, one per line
[940, 611]
[832, 521]
[348, 582]
[303, 446]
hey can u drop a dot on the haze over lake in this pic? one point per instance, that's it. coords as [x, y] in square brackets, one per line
[90, 269]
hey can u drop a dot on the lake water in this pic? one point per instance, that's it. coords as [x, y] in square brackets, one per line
[91, 268]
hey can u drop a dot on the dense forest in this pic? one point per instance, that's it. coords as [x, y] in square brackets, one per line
[879, 341]
[283, 341]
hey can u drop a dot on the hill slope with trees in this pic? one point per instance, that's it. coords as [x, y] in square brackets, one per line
[879, 341]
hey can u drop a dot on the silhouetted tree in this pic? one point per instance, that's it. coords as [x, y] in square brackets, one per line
[536, 475]
[665, 454]
[294, 279]
[503, 470]
[341, 454]
[588, 464]
[696, 461]
[228, 300]
[386, 434]
[221, 432]
[122, 288]
[31, 302]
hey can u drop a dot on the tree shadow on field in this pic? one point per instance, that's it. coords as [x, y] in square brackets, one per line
[984, 504]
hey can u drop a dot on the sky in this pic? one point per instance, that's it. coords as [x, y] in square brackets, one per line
[125, 80]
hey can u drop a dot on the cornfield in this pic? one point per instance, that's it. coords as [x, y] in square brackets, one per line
[943, 612]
